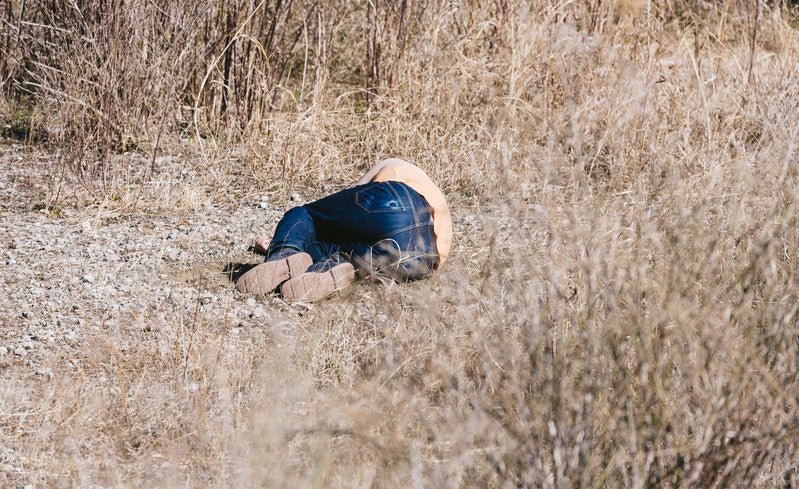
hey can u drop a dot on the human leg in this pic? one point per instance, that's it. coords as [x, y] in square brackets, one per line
[293, 250]
[295, 231]
[382, 227]
[286, 254]
[323, 228]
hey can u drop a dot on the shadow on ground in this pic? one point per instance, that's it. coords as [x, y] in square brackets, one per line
[235, 270]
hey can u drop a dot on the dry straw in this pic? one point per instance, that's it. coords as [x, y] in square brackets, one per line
[620, 308]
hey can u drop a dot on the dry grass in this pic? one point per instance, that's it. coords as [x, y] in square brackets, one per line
[621, 305]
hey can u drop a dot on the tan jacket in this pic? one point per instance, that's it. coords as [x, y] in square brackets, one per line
[397, 170]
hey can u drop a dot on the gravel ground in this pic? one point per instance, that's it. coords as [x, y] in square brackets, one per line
[71, 275]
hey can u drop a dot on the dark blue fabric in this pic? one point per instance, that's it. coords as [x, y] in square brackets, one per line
[382, 227]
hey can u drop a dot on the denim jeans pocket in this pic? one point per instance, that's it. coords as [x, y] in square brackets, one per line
[379, 197]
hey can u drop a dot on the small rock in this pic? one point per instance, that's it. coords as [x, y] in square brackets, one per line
[20, 352]
[173, 254]
[45, 372]
[88, 278]
[3, 350]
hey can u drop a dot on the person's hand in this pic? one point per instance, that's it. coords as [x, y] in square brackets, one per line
[261, 245]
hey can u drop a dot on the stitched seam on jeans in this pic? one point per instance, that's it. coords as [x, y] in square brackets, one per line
[409, 192]
[393, 191]
[406, 189]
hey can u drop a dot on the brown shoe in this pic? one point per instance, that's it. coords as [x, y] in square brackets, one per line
[265, 278]
[312, 286]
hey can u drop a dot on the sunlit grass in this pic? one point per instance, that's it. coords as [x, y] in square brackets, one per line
[619, 309]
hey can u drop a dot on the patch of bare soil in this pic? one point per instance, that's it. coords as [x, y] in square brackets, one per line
[74, 274]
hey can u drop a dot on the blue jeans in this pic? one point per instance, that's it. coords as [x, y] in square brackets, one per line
[380, 227]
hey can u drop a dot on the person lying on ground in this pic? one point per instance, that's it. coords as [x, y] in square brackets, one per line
[394, 222]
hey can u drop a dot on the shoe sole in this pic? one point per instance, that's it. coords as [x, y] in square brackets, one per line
[312, 286]
[267, 276]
